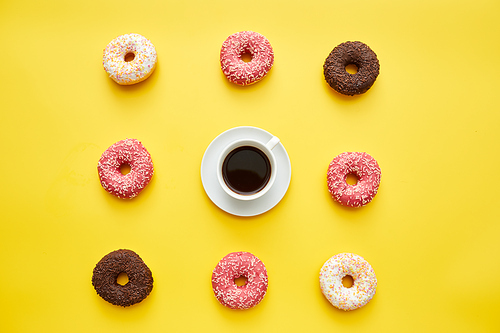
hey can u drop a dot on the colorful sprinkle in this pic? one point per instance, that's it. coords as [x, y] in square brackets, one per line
[129, 72]
[363, 275]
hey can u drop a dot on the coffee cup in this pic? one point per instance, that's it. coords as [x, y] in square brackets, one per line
[247, 168]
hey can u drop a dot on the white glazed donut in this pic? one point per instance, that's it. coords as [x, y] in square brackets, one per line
[120, 50]
[363, 275]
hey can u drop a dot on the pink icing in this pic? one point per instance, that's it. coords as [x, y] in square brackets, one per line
[235, 265]
[245, 73]
[364, 167]
[133, 153]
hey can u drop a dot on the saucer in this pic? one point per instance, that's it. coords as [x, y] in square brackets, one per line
[239, 207]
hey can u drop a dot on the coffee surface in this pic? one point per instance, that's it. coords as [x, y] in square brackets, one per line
[246, 170]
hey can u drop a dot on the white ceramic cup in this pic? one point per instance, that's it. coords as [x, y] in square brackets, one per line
[266, 148]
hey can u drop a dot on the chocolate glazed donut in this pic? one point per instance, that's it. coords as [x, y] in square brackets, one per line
[140, 279]
[351, 53]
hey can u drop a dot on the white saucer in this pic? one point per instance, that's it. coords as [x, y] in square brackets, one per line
[228, 203]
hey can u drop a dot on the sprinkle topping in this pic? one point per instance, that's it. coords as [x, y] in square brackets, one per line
[351, 53]
[129, 72]
[336, 268]
[235, 265]
[245, 73]
[364, 167]
[105, 274]
[133, 153]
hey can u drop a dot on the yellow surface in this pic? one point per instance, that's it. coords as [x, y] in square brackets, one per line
[432, 121]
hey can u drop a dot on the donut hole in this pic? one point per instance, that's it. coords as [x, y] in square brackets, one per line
[351, 179]
[246, 56]
[240, 281]
[122, 279]
[347, 281]
[125, 168]
[351, 68]
[129, 57]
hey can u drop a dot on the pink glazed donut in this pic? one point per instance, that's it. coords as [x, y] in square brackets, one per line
[125, 152]
[233, 266]
[238, 71]
[364, 167]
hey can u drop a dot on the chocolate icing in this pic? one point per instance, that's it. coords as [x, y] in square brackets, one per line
[104, 278]
[348, 53]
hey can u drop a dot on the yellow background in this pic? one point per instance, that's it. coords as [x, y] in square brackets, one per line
[431, 120]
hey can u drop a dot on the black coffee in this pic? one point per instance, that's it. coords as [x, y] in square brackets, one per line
[246, 170]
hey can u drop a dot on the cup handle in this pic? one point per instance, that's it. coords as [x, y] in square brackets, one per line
[272, 143]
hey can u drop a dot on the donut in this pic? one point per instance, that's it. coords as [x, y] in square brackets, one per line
[364, 167]
[233, 266]
[129, 59]
[125, 152]
[238, 71]
[105, 275]
[364, 281]
[351, 53]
